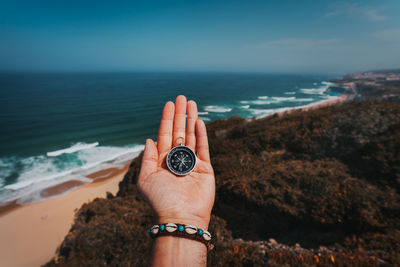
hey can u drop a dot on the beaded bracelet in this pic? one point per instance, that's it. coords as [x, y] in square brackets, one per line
[181, 230]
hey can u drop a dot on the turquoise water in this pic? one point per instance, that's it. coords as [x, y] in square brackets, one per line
[333, 93]
[58, 127]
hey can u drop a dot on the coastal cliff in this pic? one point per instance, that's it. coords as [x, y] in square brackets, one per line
[308, 187]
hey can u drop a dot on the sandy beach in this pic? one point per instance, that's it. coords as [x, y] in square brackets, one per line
[30, 234]
[341, 99]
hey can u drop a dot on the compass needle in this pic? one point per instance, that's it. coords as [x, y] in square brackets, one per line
[181, 160]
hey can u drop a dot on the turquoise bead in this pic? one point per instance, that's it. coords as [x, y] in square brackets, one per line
[162, 227]
[200, 232]
[181, 228]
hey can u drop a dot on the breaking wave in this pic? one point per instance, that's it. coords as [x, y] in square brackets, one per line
[221, 109]
[317, 91]
[72, 149]
[24, 178]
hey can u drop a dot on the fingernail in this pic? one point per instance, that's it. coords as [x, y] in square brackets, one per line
[147, 142]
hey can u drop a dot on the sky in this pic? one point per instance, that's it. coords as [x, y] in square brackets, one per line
[307, 36]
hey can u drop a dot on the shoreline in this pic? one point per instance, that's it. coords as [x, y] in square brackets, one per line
[64, 188]
[316, 105]
[37, 229]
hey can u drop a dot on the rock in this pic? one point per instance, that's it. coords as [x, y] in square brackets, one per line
[272, 241]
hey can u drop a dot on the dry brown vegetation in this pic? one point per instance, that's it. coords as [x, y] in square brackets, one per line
[323, 183]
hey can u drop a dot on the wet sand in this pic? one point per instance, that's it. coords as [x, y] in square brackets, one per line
[30, 234]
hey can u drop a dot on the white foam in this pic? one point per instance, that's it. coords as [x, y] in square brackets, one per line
[302, 100]
[261, 102]
[280, 99]
[245, 106]
[41, 172]
[72, 149]
[202, 112]
[93, 159]
[260, 113]
[263, 97]
[313, 91]
[257, 102]
[317, 91]
[220, 109]
[6, 166]
[276, 99]
[327, 83]
[290, 93]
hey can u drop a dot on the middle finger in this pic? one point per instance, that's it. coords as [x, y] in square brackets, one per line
[179, 119]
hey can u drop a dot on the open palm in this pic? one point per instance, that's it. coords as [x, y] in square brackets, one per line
[180, 199]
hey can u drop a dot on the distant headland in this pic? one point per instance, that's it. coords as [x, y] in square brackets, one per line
[383, 84]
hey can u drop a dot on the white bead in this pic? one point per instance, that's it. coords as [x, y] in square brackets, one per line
[154, 229]
[171, 227]
[207, 235]
[190, 229]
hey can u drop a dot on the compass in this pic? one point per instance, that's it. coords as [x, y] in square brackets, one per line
[181, 160]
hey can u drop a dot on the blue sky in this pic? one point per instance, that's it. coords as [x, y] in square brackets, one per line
[240, 36]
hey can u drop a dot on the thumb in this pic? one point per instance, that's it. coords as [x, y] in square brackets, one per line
[149, 160]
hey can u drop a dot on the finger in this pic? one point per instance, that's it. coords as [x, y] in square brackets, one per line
[149, 160]
[164, 140]
[191, 124]
[179, 119]
[202, 141]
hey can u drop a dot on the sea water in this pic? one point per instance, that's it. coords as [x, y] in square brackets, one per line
[60, 127]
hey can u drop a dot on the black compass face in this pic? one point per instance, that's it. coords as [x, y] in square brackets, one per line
[181, 160]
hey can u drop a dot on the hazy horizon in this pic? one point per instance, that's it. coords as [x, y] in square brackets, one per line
[217, 72]
[334, 37]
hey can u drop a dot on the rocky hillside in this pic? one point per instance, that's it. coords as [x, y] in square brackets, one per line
[306, 188]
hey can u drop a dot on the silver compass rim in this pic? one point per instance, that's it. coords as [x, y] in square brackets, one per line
[170, 167]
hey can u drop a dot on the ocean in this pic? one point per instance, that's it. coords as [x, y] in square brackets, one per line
[60, 127]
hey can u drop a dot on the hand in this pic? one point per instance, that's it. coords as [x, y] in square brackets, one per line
[181, 199]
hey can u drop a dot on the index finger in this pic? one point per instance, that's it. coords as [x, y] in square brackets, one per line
[164, 140]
